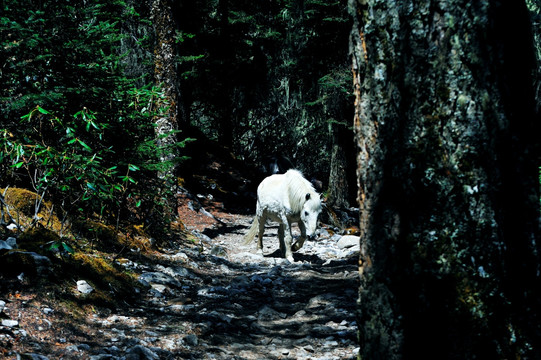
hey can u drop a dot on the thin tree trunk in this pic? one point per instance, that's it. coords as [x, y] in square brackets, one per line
[448, 189]
[166, 76]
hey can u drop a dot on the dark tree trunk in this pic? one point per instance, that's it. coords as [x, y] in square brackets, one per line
[338, 179]
[169, 112]
[166, 76]
[448, 180]
[226, 123]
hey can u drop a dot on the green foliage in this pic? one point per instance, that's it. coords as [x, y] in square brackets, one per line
[77, 115]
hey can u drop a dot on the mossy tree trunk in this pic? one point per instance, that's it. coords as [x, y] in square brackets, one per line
[167, 77]
[446, 131]
[169, 117]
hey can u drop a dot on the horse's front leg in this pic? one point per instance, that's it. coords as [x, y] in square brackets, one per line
[284, 234]
[299, 243]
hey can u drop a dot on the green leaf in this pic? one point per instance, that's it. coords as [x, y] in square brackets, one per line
[83, 144]
[42, 110]
[68, 248]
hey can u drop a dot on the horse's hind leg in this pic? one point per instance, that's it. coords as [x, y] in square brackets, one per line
[262, 222]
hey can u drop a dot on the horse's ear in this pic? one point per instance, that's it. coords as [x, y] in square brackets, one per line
[307, 196]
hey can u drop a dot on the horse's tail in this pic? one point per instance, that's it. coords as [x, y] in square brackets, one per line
[249, 237]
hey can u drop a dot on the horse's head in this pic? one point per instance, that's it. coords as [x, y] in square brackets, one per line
[310, 212]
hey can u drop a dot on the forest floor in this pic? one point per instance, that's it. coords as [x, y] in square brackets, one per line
[216, 299]
[206, 296]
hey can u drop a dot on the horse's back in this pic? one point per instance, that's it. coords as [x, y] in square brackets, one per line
[271, 189]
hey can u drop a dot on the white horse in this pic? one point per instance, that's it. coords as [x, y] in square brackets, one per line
[286, 198]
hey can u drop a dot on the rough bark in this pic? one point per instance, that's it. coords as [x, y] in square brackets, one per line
[338, 184]
[447, 172]
[166, 76]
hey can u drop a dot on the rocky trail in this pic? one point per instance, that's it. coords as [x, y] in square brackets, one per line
[217, 299]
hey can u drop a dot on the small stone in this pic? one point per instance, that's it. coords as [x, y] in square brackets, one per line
[83, 287]
[218, 251]
[31, 356]
[72, 348]
[47, 311]
[159, 288]
[142, 353]
[10, 323]
[159, 278]
[348, 241]
[83, 347]
[20, 332]
[11, 241]
[191, 340]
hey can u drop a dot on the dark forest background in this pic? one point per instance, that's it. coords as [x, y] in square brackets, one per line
[85, 85]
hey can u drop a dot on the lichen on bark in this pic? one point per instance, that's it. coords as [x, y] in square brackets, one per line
[443, 143]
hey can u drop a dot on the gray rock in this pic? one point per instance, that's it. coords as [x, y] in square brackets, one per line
[47, 311]
[31, 356]
[191, 340]
[103, 357]
[218, 250]
[83, 347]
[12, 227]
[84, 287]
[4, 245]
[348, 241]
[159, 288]
[11, 241]
[182, 272]
[10, 323]
[139, 352]
[266, 313]
[159, 278]
[27, 261]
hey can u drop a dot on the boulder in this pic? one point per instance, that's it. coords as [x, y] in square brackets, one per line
[31, 263]
[4, 245]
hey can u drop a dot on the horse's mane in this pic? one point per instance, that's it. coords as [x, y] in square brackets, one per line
[298, 187]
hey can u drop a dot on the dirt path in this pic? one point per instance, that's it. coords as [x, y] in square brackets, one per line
[215, 300]
[268, 308]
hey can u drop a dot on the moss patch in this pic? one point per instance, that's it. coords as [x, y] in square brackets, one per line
[22, 207]
[37, 239]
[22, 200]
[106, 236]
